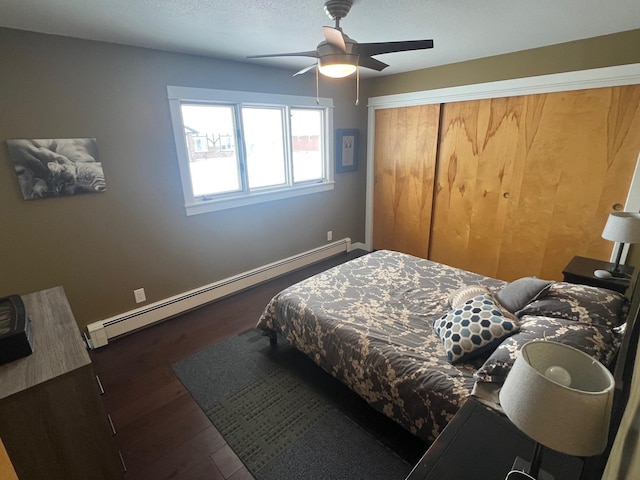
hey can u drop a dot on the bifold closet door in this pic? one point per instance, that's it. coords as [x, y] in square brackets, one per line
[404, 158]
[525, 183]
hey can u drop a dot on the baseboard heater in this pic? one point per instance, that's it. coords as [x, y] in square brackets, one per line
[100, 332]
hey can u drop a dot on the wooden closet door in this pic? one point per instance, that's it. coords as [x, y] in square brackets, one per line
[476, 166]
[526, 183]
[405, 158]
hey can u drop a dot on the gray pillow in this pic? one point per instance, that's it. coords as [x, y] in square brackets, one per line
[580, 303]
[519, 293]
[596, 340]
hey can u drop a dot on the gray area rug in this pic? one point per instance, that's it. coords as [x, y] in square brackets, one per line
[287, 419]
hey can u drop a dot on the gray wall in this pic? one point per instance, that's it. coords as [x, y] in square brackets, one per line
[607, 50]
[101, 247]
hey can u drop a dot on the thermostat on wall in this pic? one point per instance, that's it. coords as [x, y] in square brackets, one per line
[15, 330]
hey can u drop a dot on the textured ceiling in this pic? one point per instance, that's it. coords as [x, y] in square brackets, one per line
[231, 29]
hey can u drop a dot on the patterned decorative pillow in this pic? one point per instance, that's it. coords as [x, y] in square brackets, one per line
[596, 340]
[473, 328]
[517, 294]
[462, 295]
[580, 303]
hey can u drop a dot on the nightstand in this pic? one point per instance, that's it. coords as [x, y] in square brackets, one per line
[580, 270]
[482, 443]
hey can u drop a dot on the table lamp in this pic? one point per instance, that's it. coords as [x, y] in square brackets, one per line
[621, 227]
[561, 398]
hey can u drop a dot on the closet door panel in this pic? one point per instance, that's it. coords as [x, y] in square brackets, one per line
[526, 183]
[579, 155]
[542, 205]
[476, 166]
[404, 159]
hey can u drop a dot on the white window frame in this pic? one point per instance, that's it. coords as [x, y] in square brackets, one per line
[197, 205]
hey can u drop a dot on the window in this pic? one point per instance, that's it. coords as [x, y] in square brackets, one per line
[238, 148]
[199, 144]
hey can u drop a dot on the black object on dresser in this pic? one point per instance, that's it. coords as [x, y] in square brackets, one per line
[482, 443]
[580, 270]
[15, 330]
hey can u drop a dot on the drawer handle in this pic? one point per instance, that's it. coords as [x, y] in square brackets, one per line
[100, 385]
[113, 429]
[87, 341]
[124, 465]
[618, 207]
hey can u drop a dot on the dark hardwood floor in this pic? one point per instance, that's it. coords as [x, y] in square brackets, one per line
[161, 431]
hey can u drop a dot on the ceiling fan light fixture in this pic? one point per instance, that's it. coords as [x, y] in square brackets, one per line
[339, 56]
[337, 66]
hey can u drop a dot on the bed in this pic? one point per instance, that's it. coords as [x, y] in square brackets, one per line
[392, 328]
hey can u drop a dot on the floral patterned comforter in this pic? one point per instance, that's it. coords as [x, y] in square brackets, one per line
[368, 322]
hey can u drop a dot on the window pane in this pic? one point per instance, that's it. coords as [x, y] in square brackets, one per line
[306, 139]
[211, 145]
[263, 139]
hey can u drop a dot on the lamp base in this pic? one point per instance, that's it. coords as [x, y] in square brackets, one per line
[522, 465]
[619, 274]
[611, 274]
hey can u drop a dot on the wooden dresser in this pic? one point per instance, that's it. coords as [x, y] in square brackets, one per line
[52, 420]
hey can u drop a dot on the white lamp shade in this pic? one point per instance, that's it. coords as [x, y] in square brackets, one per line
[572, 420]
[623, 227]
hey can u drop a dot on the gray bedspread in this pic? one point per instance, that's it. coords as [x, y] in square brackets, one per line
[368, 322]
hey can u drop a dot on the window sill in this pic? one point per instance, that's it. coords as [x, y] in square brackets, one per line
[206, 206]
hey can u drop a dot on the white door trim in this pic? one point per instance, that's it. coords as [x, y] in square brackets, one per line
[557, 82]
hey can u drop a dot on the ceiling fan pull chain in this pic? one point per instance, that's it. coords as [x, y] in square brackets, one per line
[317, 87]
[357, 84]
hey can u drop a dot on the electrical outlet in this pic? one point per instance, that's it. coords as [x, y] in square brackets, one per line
[329, 236]
[139, 294]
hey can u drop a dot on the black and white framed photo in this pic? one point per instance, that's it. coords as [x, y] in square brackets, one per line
[56, 167]
[347, 148]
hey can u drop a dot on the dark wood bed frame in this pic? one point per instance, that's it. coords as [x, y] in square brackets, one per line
[622, 374]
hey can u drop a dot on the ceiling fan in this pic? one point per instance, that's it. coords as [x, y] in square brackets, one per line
[339, 56]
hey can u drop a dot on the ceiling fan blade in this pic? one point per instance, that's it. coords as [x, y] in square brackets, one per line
[311, 53]
[372, 63]
[305, 70]
[334, 37]
[369, 49]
